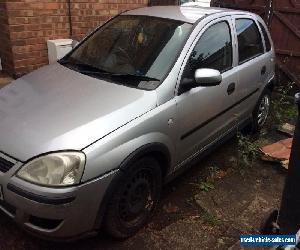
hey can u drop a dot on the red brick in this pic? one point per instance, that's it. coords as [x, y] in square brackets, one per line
[51, 6]
[26, 25]
[17, 28]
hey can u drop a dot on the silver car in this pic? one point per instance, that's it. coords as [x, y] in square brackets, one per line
[88, 142]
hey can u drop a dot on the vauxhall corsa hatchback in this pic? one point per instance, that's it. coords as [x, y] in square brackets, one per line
[88, 142]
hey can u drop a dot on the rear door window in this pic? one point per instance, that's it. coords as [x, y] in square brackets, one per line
[249, 39]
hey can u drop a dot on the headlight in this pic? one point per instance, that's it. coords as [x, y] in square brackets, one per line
[57, 169]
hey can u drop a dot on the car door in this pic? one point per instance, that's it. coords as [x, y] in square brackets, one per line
[253, 64]
[205, 113]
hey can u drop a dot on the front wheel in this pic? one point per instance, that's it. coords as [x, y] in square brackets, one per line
[261, 111]
[135, 198]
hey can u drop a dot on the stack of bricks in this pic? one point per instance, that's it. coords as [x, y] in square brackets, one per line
[26, 25]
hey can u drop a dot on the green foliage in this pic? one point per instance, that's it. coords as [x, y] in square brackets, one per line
[212, 219]
[190, 201]
[283, 108]
[206, 186]
[213, 170]
[248, 151]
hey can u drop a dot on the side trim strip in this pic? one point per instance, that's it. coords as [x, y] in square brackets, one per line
[39, 198]
[187, 134]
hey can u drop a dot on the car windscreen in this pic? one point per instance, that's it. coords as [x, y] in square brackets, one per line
[137, 51]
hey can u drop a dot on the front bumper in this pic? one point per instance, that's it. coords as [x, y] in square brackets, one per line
[53, 213]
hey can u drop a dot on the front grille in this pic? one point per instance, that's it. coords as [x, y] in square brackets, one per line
[5, 165]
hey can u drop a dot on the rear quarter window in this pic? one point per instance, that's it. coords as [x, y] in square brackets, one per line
[249, 39]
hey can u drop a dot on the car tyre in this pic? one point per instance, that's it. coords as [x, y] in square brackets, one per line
[261, 111]
[134, 199]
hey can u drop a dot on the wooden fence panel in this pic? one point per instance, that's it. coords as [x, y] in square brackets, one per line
[260, 7]
[285, 29]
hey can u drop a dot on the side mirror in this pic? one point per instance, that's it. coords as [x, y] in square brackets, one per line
[202, 78]
[74, 43]
[208, 77]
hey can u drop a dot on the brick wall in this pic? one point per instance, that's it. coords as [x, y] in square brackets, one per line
[26, 25]
[5, 43]
[88, 14]
[31, 24]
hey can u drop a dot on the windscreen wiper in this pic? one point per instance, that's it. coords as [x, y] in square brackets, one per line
[138, 77]
[91, 70]
[102, 72]
[83, 67]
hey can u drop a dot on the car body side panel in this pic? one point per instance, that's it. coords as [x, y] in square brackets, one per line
[250, 83]
[250, 80]
[270, 55]
[204, 107]
[156, 126]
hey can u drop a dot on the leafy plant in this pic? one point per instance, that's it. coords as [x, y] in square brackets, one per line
[206, 186]
[212, 219]
[213, 171]
[190, 201]
[283, 108]
[248, 151]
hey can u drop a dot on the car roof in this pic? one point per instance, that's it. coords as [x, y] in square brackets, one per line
[190, 14]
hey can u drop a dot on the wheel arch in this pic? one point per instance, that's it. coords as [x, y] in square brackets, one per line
[157, 150]
[271, 84]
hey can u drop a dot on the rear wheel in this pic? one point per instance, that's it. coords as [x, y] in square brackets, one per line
[134, 199]
[261, 111]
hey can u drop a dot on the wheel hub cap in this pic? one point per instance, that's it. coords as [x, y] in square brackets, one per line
[137, 198]
[263, 110]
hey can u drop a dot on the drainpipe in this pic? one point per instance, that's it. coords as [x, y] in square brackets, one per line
[70, 18]
[269, 13]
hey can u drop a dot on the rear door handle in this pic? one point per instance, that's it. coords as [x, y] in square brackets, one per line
[231, 88]
[263, 70]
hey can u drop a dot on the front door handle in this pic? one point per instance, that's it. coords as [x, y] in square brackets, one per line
[263, 70]
[231, 88]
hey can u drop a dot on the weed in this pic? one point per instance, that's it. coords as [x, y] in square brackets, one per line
[283, 110]
[212, 219]
[190, 201]
[248, 151]
[206, 186]
[213, 171]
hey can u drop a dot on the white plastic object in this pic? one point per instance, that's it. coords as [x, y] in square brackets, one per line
[58, 48]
